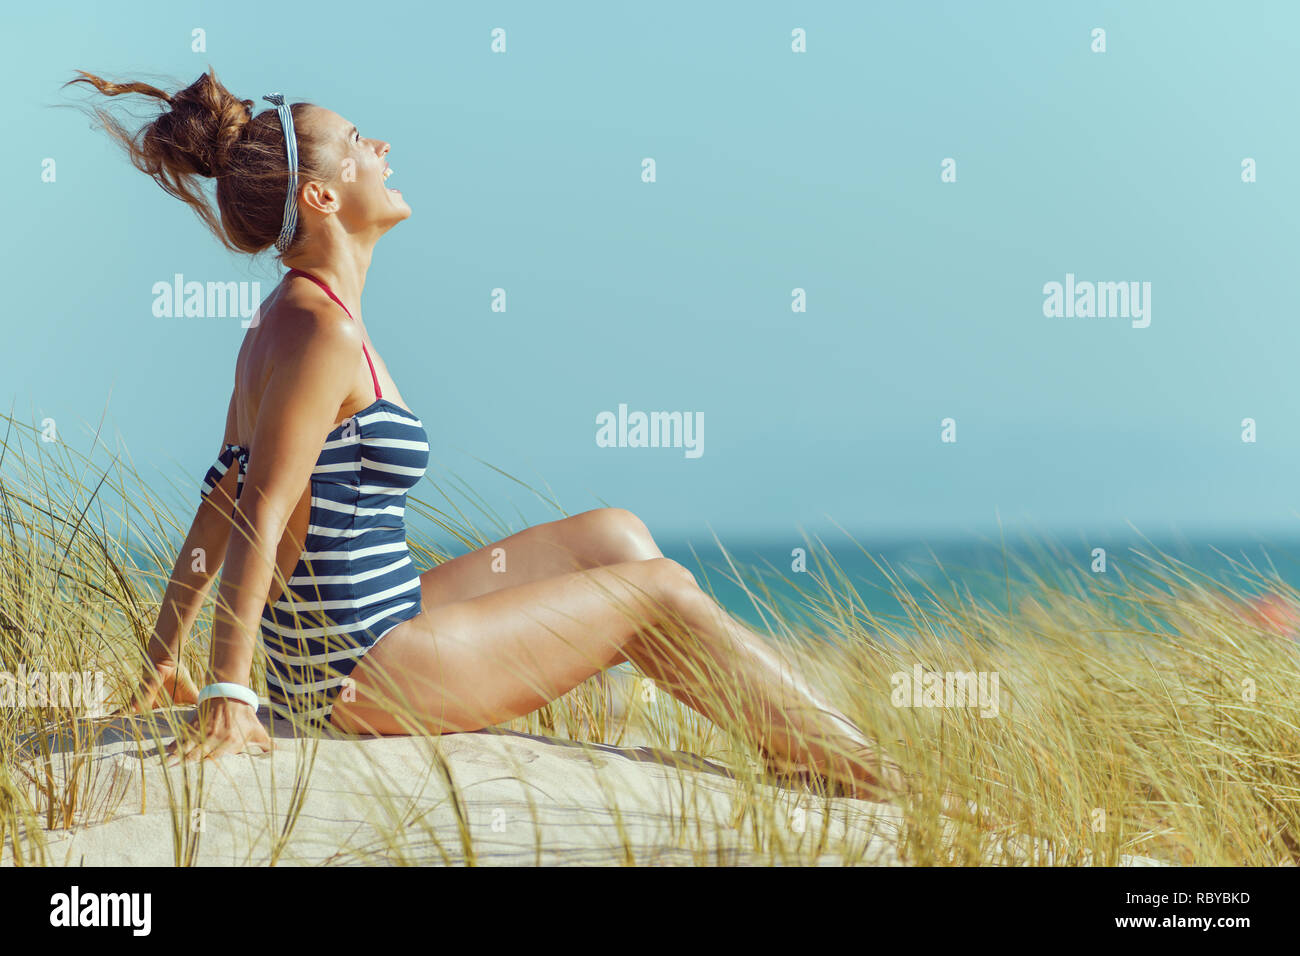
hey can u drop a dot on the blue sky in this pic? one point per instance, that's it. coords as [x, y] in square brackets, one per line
[775, 171]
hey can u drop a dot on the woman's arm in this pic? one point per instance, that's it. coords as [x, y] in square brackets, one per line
[199, 560]
[196, 566]
[313, 373]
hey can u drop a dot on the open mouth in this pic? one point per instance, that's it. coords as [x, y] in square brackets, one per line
[388, 171]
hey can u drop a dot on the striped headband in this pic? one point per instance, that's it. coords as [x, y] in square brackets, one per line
[291, 150]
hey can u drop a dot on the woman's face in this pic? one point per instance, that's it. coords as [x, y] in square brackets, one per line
[364, 201]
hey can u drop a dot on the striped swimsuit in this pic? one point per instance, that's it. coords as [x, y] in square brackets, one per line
[354, 581]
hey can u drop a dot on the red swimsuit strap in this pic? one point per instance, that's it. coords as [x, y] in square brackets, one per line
[330, 292]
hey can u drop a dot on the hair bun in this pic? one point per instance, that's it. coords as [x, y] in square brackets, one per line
[206, 131]
[228, 135]
[203, 124]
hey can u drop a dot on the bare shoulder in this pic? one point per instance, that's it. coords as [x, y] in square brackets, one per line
[302, 327]
[302, 352]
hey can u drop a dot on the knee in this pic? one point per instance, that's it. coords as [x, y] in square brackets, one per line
[675, 582]
[624, 534]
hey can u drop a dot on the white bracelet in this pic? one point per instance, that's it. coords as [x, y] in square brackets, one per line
[234, 691]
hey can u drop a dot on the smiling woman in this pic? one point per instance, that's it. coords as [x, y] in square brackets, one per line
[319, 454]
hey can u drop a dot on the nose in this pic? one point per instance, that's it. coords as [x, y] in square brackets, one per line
[384, 148]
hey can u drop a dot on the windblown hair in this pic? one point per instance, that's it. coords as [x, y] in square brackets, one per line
[207, 131]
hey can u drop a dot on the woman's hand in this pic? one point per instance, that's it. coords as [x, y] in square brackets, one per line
[220, 726]
[160, 677]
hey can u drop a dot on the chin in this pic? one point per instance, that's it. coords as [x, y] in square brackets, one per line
[398, 214]
[387, 226]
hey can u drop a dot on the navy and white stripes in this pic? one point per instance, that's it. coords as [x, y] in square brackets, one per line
[354, 580]
[229, 453]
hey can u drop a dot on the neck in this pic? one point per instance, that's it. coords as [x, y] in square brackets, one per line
[341, 263]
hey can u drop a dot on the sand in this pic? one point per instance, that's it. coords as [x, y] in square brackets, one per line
[520, 800]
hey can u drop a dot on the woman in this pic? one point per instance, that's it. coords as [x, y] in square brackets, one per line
[319, 452]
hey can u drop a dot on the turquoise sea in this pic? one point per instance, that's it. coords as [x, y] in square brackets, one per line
[988, 572]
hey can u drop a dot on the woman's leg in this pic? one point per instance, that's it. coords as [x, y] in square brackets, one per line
[591, 539]
[479, 662]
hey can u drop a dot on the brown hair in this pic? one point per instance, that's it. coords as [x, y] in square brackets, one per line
[209, 132]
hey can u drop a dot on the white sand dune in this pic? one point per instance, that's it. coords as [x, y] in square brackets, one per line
[518, 799]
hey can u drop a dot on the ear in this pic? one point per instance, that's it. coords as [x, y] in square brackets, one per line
[320, 197]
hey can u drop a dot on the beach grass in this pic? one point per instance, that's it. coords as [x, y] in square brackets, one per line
[1143, 711]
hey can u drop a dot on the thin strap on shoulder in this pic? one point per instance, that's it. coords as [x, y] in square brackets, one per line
[373, 377]
[330, 292]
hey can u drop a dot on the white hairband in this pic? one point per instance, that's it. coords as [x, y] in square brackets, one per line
[291, 151]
